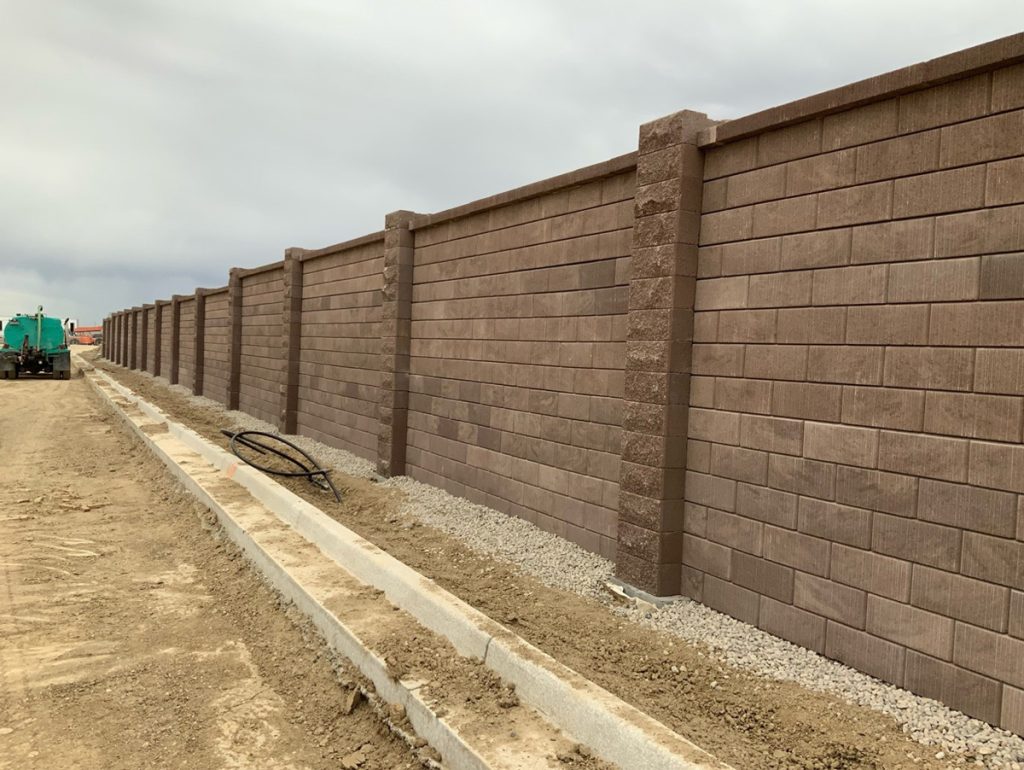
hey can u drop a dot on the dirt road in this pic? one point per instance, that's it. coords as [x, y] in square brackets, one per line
[129, 636]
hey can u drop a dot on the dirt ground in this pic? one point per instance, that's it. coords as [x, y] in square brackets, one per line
[745, 720]
[130, 635]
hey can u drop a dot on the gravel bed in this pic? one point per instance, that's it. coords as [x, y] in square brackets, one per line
[560, 564]
[552, 560]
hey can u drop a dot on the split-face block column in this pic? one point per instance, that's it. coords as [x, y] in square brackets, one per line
[659, 337]
[234, 337]
[144, 363]
[133, 355]
[175, 331]
[291, 340]
[396, 320]
[124, 341]
[158, 336]
[199, 342]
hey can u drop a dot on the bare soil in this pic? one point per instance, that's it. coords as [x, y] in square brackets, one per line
[745, 720]
[131, 636]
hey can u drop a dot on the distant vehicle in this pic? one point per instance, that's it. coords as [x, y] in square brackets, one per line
[35, 344]
[86, 335]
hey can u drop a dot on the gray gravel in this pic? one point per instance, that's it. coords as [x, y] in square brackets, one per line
[560, 564]
[552, 560]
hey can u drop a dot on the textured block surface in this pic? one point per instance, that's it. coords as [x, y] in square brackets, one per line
[862, 329]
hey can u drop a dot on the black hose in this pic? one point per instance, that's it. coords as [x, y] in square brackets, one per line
[316, 474]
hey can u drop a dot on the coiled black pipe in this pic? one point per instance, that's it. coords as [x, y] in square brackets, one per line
[316, 474]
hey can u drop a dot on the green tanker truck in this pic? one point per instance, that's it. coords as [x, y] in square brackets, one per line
[34, 344]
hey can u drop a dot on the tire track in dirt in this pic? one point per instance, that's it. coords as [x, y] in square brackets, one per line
[132, 636]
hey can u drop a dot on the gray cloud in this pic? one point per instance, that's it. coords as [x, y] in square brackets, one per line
[146, 146]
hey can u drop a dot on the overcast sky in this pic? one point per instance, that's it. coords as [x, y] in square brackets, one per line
[146, 146]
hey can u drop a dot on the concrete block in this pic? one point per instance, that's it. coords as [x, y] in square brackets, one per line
[765, 577]
[731, 599]
[999, 371]
[822, 248]
[865, 652]
[944, 104]
[976, 696]
[775, 362]
[1004, 182]
[841, 444]
[858, 285]
[951, 280]
[802, 476]
[828, 599]
[847, 364]
[792, 624]
[767, 505]
[996, 418]
[872, 572]
[956, 596]
[923, 455]
[904, 240]
[835, 522]
[910, 627]
[901, 156]
[932, 368]
[797, 550]
[968, 507]
[772, 434]
[855, 205]
[986, 652]
[820, 172]
[917, 541]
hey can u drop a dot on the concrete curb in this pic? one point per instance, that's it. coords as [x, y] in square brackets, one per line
[611, 728]
[457, 753]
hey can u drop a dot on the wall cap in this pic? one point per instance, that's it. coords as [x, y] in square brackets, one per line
[580, 176]
[1003, 52]
[244, 272]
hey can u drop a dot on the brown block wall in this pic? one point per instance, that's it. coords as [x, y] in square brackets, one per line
[856, 422]
[215, 347]
[261, 364]
[339, 359]
[816, 411]
[515, 373]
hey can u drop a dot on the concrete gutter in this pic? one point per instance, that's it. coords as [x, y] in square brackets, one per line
[609, 727]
